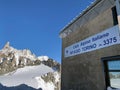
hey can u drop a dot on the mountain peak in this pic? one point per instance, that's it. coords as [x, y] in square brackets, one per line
[7, 45]
[19, 64]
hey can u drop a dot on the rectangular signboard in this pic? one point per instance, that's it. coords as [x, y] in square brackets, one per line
[106, 38]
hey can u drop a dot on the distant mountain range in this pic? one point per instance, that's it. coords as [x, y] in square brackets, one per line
[23, 70]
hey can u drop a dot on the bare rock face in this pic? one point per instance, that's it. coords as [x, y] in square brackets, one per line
[6, 66]
[37, 62]
[51, 63]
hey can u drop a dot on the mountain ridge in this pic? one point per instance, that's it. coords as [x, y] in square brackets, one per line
[14, 61]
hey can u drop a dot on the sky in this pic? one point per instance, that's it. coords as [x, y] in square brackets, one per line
[36, 24]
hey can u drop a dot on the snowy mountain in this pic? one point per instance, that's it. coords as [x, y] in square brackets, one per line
[21, 69]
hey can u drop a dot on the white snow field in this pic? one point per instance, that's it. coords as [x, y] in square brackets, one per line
[30, 76]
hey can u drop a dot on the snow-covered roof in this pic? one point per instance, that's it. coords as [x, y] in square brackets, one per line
[90, 12]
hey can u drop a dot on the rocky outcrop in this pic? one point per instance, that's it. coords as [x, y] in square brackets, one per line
[53, 77]
[7, 66]
[51, 63]
[11, 58]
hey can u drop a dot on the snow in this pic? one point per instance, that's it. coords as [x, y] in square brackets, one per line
[17, 58]
[44, 85]
[1, 60]
[29, 75]
[115, 83]
[57, 76]
[25, 61]
[26, 53]
[43, 58]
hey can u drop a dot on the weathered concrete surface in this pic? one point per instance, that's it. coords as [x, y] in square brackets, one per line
[85, 71]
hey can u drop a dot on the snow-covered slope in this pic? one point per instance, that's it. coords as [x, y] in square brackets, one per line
[29, 75]
[22, 69]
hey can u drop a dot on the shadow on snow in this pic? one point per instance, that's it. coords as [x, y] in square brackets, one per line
[20, 87]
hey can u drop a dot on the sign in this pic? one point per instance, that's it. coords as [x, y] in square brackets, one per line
[104, 39]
